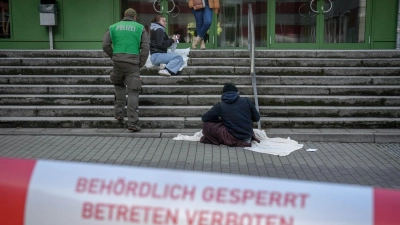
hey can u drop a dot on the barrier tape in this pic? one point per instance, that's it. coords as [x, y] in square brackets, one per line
[40, 192]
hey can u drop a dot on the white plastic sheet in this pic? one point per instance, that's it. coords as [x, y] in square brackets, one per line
[273, 146]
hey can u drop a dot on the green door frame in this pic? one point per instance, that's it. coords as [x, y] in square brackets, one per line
[319, 44]
[271, 32]
[346, 46]
[319, 32]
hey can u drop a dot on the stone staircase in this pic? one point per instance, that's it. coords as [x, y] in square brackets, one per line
[297, 89]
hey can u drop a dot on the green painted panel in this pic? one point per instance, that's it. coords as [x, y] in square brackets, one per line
[81, 24]
[81, 45]
[25, 22]
[385, 45]
[57, 45]
[58, 34]
[86, 20]
[385, 20]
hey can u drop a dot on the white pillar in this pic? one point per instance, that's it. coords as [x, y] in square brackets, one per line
[51, 36]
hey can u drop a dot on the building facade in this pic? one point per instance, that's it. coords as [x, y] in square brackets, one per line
[279, 24]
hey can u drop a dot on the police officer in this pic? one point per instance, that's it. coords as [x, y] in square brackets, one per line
[129, 53]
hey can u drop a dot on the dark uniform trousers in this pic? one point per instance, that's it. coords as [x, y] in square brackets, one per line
[126, 77]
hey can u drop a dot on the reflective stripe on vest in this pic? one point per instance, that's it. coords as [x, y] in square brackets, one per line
[126, 37]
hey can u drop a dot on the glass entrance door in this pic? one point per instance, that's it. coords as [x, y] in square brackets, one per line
[320, 24]
[232, 23]
[180, 20]
[345, 24]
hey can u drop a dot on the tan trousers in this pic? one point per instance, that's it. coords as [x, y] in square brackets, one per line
[126, 77]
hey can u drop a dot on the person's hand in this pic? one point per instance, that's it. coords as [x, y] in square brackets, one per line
[175, 37]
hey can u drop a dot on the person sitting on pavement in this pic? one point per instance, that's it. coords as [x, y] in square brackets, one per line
[127, 44]
[230, 122]
[159, 42]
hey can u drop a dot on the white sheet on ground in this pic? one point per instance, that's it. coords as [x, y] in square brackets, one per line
[182, 52]
[195, 137]
[273, 146]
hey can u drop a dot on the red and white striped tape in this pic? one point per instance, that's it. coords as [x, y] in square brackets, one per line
[52, 192]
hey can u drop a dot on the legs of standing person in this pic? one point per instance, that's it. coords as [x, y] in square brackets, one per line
[207, 20]
[117, 78]
[173, 61]
[203, 18]
[134, 85]
[198, 16]
[119, 101]
[127, 76]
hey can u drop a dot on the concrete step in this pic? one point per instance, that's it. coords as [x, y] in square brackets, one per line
[207, 70]
[378, 90]
[296, 88]
[55, 79]
[99, 100]
[55, 70]
[213, 54]
[195, 122]
[193, 111]
[181, 79]
[321, 71]
[295, 62]
[323, 100]
[99, 111]
[260, 62]
[52, 54]
[264, 100]
[275, 90]
[56, 62]
[90, 122]
[355, 54]
[329, 111]
[205, 79]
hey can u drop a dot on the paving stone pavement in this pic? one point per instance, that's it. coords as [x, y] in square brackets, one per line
[368, 164]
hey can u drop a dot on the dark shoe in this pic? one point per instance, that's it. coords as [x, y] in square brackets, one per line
[134, 128]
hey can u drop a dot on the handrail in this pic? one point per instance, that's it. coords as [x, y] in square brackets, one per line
[251, 47]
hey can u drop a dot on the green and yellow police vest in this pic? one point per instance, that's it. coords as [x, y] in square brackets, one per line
[126, 37]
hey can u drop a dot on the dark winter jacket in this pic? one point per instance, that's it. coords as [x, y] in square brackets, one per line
[159, 41]
[237, 114]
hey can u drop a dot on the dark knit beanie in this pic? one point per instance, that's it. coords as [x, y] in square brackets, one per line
[229, 87]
